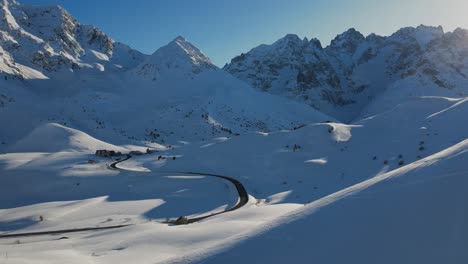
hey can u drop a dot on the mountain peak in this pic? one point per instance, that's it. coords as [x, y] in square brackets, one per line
[461, 32]
[439, 29]
[179, 56]
[289, 43]
[351, 33]
[349, 40]
[179, 39]
[422, 34]
[182, 49]
[316, 43]
[290, 39]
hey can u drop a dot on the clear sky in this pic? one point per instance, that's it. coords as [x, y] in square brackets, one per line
[223, 29]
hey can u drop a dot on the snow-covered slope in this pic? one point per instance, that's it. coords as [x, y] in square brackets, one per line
[415, 214]
[319, 159]
[353, 71]
[56, 138]
[416, 191]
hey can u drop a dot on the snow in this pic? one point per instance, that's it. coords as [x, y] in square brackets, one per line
[212, 104]
[414, 214]
[459, 101]
[354, 72]
[30, 73]
[47, 41]
[387, 186]
[341, 132]
[56, 138]
[321, 161]
[129, 197]
[9, 19]
[298, 186]
[177, 57]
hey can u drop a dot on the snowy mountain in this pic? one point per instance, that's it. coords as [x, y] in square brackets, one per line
[179, 56]
[40, 42]
[59, 71]
[374, 172]
[343, 78]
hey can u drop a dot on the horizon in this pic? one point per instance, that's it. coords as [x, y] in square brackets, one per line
[225, 30]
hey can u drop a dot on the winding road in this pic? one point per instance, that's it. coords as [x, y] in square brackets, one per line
[243, 200]
[242, 192]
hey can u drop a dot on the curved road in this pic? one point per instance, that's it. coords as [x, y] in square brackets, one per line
[243, 195]
[243, 199]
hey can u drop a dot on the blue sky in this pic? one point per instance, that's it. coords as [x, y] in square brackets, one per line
[223, 29]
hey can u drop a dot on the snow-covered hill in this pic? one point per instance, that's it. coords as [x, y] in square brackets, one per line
[56, 138]
[343, 78]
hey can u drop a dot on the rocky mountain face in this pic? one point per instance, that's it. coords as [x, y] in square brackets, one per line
[40, 41]
[344, 77]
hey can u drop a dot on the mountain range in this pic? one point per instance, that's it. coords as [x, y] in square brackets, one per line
[59, 75]
[347, 80]
[344, 78]
[78, 76]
